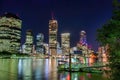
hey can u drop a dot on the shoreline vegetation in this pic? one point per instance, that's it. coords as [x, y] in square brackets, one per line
[5, 54]
[12, 55]
[109, 35]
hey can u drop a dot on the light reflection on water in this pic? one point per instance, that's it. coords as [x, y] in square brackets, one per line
[39, 69]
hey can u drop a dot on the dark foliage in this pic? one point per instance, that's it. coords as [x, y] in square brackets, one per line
[110, 34]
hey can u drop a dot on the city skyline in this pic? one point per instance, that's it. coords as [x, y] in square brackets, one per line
[72, 16]
[59, 39]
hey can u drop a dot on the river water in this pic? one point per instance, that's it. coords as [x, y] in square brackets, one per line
[40, 69]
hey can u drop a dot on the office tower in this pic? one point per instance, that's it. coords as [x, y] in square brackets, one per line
[46, 48]
[59, 50]
[102, 53]
[39, 44]
[82, 46]
[53, 29]
[33, 49]
[83, 43]
[29, 42]
[23, 46]
[83, 40]
[10, 32]
[65, 42]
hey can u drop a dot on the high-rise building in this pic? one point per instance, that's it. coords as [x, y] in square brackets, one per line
[65, 42]
[39, 43]
[82, 46]
[53, 29]
[59, 50]
[83, 43]
[46, 50]
[103, 53]
[83, 40]
[29, 42]
[10, 32]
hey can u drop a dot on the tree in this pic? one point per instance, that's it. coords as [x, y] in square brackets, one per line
[110, 34]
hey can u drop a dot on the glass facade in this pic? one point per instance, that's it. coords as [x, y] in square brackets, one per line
[39, 44]
[65, 42]
[29, 42]
[10, 32]
[83, 40]
[53, 28]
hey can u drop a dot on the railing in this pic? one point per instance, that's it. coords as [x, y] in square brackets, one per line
[86, 65]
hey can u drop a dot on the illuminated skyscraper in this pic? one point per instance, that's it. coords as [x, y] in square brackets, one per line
[46, 48]
[10, 32]
[53, 29]
[39, 43]
[59, 50]
[83, 43]
[82, 46]
[65, 42]
[29, 42]
[83, 40]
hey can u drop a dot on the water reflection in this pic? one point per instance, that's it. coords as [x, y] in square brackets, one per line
[8, 69]
[39, 69]
[24, 69]
[80, 76]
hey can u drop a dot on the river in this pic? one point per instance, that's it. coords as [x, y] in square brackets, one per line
[40, 69]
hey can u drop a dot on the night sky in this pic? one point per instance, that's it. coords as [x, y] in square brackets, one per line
[72, 16]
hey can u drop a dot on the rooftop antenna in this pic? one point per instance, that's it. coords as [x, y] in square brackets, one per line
[52, 14]
[17, 14]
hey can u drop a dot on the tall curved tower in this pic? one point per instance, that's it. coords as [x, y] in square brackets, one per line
[10, 32]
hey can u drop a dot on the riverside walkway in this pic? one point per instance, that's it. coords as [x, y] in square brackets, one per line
[85, 67]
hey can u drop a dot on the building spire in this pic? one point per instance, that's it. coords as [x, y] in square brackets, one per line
[52, 15]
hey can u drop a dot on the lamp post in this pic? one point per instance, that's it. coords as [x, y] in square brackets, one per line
[70, 65]
[69, 61]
